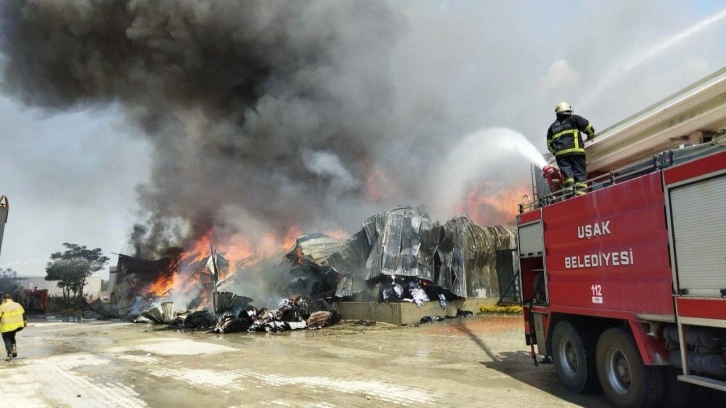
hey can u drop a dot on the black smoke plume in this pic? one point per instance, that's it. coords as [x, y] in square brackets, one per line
[260, 114]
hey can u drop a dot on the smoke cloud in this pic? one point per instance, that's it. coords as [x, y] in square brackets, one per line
[278, 108]
[262, 115]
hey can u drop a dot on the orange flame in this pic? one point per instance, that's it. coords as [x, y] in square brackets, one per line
[378, 186]
[487, 203]
[189, 274]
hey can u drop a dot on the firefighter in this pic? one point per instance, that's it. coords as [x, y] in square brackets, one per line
[564, 141]
[12, 320]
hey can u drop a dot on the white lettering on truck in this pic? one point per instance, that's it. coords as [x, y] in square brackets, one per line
[617, 258]
[593, 230]
[599, 259]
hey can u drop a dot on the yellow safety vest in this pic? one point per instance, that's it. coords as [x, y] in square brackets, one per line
[12, 316]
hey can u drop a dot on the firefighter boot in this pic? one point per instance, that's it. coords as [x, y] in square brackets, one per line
[580, 189]
[9, 358]
[568, 188]
[15, 350]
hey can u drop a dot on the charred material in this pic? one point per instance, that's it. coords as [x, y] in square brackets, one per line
[194, 321]
[229, 323]
[411, 289]
[228, 301]
[133, 277]
[401, 255]
[312, 275]
[459, 313]
[293, 314]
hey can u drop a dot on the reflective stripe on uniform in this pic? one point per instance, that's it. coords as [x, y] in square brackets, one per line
[589, 131]
[575, 141]
[11, 316]
[573, 150]
[564, 132]
[580, 188]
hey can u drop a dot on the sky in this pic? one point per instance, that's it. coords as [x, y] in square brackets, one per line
[138, 126]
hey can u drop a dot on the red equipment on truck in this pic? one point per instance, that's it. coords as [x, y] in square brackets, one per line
[624, 288]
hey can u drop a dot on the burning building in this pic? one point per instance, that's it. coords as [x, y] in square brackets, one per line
[399, 255]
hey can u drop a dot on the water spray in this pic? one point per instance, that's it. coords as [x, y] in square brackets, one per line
[525, 148]
[628, 64]
[480, 153]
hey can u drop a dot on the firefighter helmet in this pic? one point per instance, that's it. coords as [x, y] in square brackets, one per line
[563, 107]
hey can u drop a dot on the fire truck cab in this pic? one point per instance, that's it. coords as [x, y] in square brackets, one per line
[624, 288]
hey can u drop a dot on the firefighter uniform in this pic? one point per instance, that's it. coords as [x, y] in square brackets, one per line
[12, 320]
[565, 142]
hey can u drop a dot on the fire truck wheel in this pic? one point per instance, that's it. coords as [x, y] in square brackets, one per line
[574, 358]
[625, 380]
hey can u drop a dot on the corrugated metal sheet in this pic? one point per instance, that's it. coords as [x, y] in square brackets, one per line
[458, 256]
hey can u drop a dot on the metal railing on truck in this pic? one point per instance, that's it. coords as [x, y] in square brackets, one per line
[543, 196]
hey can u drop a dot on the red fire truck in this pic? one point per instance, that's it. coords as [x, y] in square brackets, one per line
[624, 288]
[34, 300]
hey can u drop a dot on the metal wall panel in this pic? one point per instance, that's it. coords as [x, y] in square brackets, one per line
[530, 239]
[699, 230]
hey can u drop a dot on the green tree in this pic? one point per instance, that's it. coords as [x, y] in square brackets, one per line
[72, 267]
[8, 283]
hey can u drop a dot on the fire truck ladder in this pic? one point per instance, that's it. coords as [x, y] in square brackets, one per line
[508, 278]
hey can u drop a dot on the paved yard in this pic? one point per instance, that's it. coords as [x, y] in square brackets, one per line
[468, 362]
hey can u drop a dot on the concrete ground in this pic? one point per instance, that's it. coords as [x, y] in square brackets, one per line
[462, 362]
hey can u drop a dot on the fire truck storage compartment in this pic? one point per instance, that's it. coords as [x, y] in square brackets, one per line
[698, 212]
[531, 249]
[530, 239]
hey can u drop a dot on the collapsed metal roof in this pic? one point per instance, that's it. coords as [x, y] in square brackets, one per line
[459, 256]
[315, 248]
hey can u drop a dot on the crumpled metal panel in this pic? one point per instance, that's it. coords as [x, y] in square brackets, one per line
[348, 287]
[474, 256]
[374, 263]
[315, 248]
[391, 243]
[458, 256]
[224, 301]
[351, 257]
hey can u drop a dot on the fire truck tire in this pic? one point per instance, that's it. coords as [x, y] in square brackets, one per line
[574, 358]
[625, 380]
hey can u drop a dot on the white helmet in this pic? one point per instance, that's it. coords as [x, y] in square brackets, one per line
[563, 107]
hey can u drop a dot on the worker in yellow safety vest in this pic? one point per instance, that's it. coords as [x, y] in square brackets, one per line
[12, 320]
[564, 140]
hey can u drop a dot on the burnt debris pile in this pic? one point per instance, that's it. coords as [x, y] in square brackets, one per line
[459, 313]
[397, 256]
[291, 314]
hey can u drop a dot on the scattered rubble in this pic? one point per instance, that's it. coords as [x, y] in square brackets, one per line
[397, 256]
[291, 314]
[459, 313]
